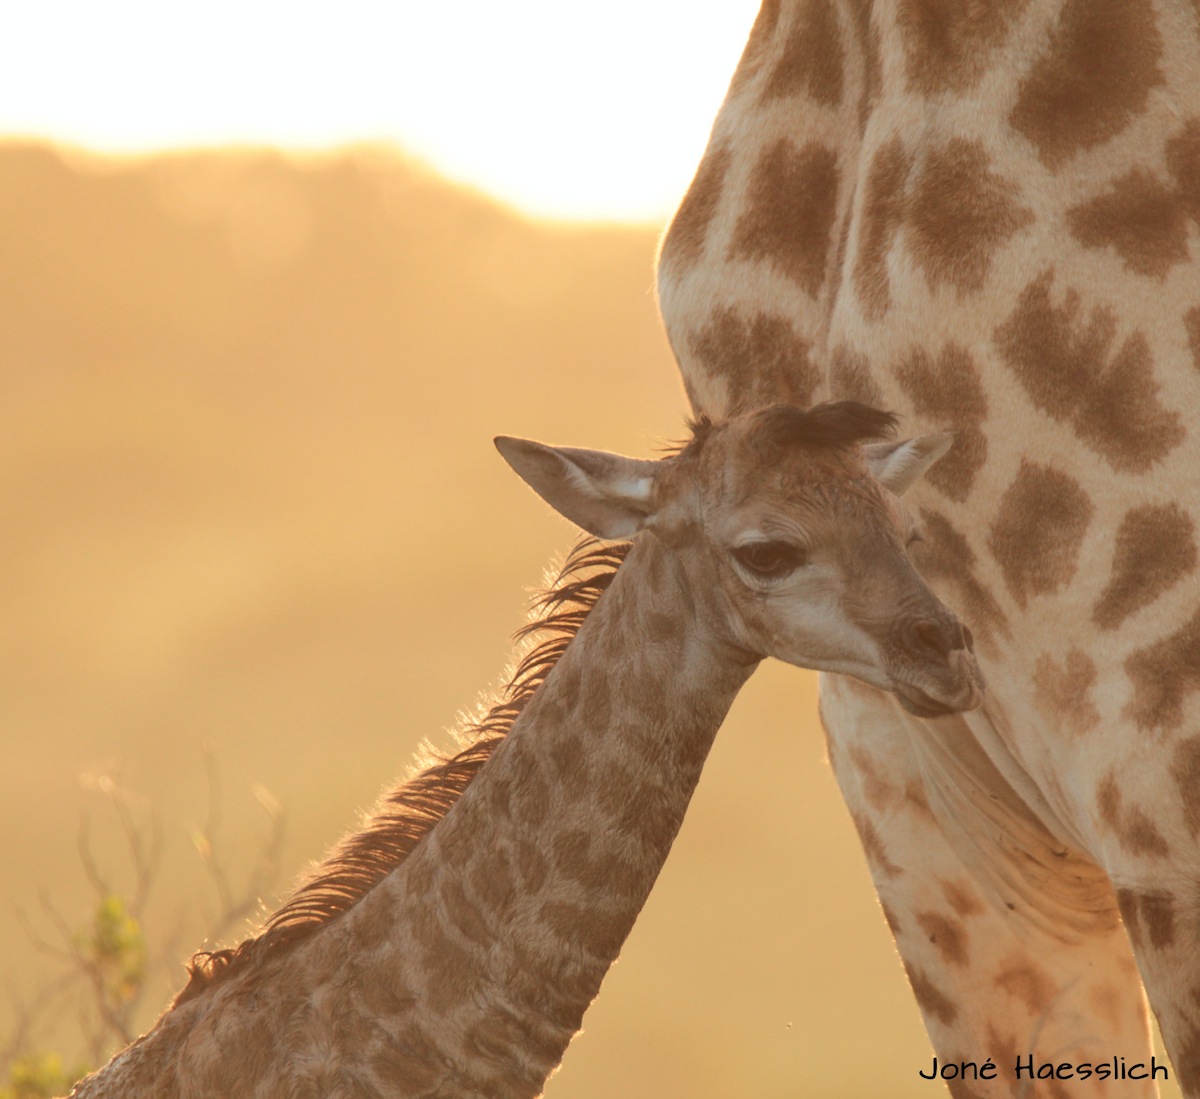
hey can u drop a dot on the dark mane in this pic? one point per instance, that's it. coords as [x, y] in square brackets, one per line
[699, 432]
[833, 424]
[406, 814]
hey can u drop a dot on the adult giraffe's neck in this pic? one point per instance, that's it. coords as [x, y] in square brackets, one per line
[749, 268]
[491, 940]
[883, 173]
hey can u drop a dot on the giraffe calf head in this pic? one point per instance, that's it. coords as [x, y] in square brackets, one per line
[790, 530]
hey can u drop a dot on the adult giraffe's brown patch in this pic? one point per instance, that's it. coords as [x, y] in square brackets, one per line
[1191, 321]
[684, 242]
[1095, 76]
[1140, 217]
[959, 213]
[761, 358]
[791, 204]
[914, 795]
[1135, 831]
[1185, 770]
[757, 45]
[1108, 801]
[880, 793]
[1065, 689]
[1127, 902]
[1073, 370]
[850, 378]
[1122, 417]
[961, 898]
[948, 44]
[883, 213]
[1004, 1052]
[948, 391]
[931, 999]
[1149, 918]
[1187, 1060]
[949, 936]
[1028, 983]
[944, 554]
[1053, 351]
[1055, 1089]
[813, 58]
[1164, 675]
[1158, 914]
[960, 1090]
[866, 41]
[1183, 162]
[873, 845]
[1155, 548]
[1038, 529]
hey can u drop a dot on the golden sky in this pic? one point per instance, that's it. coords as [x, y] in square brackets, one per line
[563, 109]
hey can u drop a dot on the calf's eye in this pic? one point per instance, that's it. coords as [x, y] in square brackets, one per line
[770, 560]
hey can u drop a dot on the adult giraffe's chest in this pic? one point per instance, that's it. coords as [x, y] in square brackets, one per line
[991, 224]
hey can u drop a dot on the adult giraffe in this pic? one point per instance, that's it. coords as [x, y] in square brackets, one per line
[984, 214]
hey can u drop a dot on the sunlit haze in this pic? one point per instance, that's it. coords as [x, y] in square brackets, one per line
[565, 110]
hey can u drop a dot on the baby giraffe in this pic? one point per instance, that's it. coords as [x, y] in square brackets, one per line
[452, 946]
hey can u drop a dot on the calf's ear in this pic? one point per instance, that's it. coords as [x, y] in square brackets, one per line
[606, 494]
[897, 466]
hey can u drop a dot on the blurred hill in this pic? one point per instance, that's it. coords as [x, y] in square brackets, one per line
[248, 499]
[239, 390]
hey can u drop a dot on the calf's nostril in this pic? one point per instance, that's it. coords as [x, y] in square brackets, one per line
[932, 638]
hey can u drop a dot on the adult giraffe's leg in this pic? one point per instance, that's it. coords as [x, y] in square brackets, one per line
[1012, 941]
[1148, 821]
[1161, 919]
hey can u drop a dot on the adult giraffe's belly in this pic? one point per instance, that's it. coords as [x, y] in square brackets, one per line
[984, 241]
